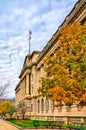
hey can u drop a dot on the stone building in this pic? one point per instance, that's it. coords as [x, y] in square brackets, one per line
[26, 90]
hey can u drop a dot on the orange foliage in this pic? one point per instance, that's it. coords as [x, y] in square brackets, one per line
[66, 69]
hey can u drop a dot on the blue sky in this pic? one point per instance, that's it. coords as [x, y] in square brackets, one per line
[42, 17]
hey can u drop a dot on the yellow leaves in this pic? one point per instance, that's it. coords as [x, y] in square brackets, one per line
[71, 35]
[4, 106]
[71, 82]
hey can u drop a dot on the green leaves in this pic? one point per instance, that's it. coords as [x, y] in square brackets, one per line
[21, 104]
[11, 110]
[46, 85]
[84, 84]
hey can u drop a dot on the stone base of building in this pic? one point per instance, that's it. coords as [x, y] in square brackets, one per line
[73, 114]
[66, 119]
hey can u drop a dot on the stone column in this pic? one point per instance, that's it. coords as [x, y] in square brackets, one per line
[28, 107]
[34, 106]
[45, 105]
[50, 106]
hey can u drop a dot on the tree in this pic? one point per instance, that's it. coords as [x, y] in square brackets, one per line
[5, 107]
[3, 89]
[65, 80]
[11, 110]
[22, 108]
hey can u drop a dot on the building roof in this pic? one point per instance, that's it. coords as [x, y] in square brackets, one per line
[70, 18]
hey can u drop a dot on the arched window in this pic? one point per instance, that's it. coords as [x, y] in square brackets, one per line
[42, 105]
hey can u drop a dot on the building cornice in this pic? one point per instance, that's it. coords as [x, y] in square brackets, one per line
[17, 86]
[29, 66]
[32, 96]
[34, 52]
[70, 18]
[24, 69]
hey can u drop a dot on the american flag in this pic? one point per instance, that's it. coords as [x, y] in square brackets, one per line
[30, 33]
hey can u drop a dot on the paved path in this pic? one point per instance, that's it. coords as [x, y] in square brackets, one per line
[6, 126]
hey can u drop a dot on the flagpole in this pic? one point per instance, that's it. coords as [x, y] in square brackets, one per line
[30, 32]
[29, 42]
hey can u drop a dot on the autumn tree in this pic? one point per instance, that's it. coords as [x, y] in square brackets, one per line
[5, 107]
[65, 80]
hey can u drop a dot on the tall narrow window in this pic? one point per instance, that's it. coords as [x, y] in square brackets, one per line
[29, 83]
[31, 107]
[38, 106]
[42, 105]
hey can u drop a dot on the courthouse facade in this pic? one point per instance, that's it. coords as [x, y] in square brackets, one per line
[37, 106]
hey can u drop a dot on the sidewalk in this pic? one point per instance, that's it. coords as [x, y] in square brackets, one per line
[6, 126]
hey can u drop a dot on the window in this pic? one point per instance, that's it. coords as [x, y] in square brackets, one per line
[42, 105]
[31, 107]
[38, 106]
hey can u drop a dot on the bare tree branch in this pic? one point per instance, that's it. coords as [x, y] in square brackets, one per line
[3, 89]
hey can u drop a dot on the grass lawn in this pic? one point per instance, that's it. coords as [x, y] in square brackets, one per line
[23, 123]
[29, 124]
